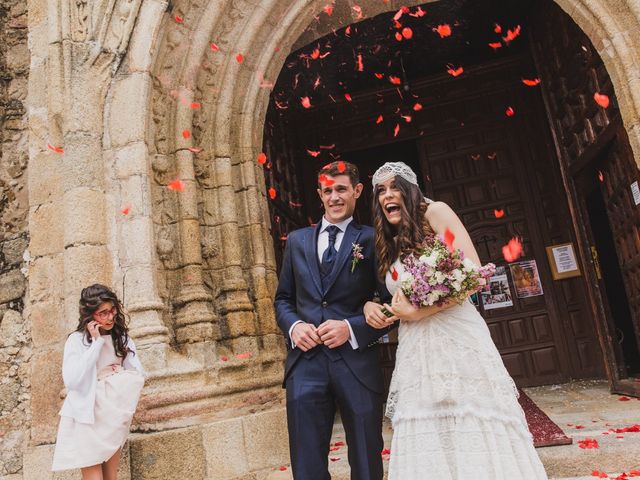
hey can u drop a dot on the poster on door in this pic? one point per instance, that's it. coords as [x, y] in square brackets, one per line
[526, 279]
[497, 293]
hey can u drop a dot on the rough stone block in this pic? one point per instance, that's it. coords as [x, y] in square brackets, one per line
[46, 227]
[84, 265]
[84, 217]
[169, 455]
[82, 162]
[144, 36]
[128, 114]
[131, 160]
[11, 324]
[48, 325]
[225, 451]
[13, 250]
[266, 439]
[12, 286]
[46, 385]
[45, 278]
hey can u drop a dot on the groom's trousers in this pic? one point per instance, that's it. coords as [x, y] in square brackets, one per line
[315, 387]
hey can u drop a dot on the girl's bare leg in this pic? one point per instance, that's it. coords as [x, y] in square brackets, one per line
[110, 467]
[92, 473]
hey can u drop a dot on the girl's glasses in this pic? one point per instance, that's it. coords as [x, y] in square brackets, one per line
[104, 314]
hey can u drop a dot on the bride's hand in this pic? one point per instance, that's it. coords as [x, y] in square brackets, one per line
[402, 307]
[375, 317]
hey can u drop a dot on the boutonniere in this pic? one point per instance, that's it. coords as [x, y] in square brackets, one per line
[356, 255]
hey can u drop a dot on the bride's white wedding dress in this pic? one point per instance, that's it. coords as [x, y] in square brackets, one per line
[452, 403]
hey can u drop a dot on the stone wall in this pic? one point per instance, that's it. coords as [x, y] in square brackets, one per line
[15, 348]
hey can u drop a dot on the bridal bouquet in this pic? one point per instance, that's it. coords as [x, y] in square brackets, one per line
[438, 275]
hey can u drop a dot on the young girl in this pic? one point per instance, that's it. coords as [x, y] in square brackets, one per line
[103, 377]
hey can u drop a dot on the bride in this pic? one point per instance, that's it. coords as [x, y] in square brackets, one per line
[453, 406]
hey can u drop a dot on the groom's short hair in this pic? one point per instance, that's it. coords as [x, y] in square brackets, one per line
[340, 167]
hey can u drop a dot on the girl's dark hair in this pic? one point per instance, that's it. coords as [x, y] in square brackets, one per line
[91, 298]
[412, 231]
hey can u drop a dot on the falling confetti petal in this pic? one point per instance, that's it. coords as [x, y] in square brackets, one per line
[497, 28]
[394, 274]
[239, 58]
[512, 250]
[195, 105]
[348, 97]
[495, 45]
[334, 459]
[55, 149]
[224, 358]
[398, 36]
[395, 80]
[443, 30]
[417, 107]
[262, 158]
[455, 72]
[214, 47]
[178, 19]
[396, 130]
[600, 176]
[588, 443]
[341, 166]
[176, 185]
[282, 467]
[512, 34]
[125, 210]
[306, 102]
[498, 213]
[313, 153]
[186, 134]
[379, 119]
[378, 75]
[328, 9]
[531, 83]
[601, 99]
[510, 112]
[406, 118]
[360, 64]
[449, 237]
[242, 356]
[272, 193]
[407, 33]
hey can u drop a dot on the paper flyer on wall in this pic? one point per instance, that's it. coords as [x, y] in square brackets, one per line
[497, 293]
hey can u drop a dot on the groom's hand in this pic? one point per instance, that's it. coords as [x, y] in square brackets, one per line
[334, 333]
[305, 336]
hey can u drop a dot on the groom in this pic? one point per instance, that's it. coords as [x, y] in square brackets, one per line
[323, 286]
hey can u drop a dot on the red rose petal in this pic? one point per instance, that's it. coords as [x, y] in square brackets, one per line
[348, 97]
[407, 33]
[239, 58]
[396, 130]
[498, 213]
[379, 119]
[176, 185]
[394, 274]
[306, 102]
[395, 80]
[510, 112]
[262, 158]
[214, 47]
[178, 19]
[341, 166]
[272, 193]
[512, 34]
[242, 356]
[449, 237]
[55, 149]
[512, 251]
[186, 134]
[125, 210]
[531, 83]
[443, 30]
[417, 107]
[497, 28]
[601, 99]
[455, 72]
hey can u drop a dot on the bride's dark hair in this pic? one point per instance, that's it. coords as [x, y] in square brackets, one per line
[394, 241]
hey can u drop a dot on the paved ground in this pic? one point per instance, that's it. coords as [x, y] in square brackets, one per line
[584, 410]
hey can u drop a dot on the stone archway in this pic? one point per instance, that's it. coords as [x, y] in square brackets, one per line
[197, 268]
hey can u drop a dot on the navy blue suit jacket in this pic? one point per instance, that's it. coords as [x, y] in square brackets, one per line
[300, 296]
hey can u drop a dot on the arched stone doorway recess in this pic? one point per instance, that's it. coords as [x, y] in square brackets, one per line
[480, 159]
[128, 94]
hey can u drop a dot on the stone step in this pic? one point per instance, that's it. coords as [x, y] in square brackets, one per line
[565, 462]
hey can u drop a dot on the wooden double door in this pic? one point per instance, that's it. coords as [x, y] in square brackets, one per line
[501, 177]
